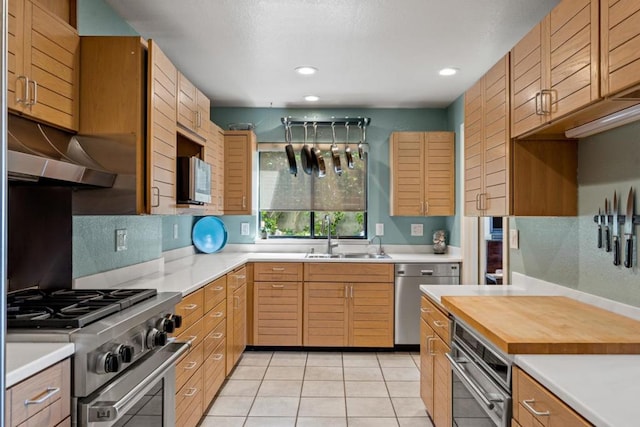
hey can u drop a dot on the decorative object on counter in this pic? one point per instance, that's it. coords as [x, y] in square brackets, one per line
[209, 235]
[628, 230]
[439, 242]
[616, 227]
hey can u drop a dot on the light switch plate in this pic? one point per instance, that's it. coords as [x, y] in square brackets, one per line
[244, 229]
[514, 240]
[417, 230]
[121, 240]
[379, 229]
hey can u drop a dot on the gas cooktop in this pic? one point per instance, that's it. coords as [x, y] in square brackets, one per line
[68, 308]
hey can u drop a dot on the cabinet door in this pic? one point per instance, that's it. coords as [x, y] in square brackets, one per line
[326, 319]
[371, 314]
[527, 80]
[496, 141]
[277, 313]
[211, 157]
[16, 78]
[427, 367]
[574, 63]
[239, 148]
[441, 384]
[187, 103]
[620, 44]
[407, 174]
[239, 322]
[440, 170]
[473, 149]
[203, 107]
[161, 138]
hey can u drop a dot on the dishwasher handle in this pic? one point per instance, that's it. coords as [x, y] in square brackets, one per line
[426, 272]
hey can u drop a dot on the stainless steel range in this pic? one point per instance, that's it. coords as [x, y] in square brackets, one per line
[123, 366]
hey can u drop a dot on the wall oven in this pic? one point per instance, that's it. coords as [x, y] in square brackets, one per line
[481, 391]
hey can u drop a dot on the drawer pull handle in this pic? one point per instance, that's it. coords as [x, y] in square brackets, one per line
[277, 268]
[217, 357]
[192, 392]
[189, 366]
[217, 335]
[218, 288]
[439, 323]
[425, 310]
[51, 391]
[527, 404]
[426, 272]
[277, 286]
[190, 307]
[217, 314]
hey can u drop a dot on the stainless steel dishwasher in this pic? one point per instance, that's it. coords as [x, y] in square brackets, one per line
[409, 277]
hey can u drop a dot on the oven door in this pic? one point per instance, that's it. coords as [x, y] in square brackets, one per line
[477, 399]
[143, 395]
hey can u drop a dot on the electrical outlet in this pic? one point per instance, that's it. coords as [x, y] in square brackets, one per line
[121, 240]
[417, 230]
[379, 229]
[514, 240]
[244, 229]
[175, 231]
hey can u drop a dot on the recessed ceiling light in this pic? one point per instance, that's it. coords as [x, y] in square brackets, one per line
[448, 71]
[306, 70]
[311, 98]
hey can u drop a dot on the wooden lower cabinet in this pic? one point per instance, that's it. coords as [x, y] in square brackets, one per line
[435, 374]
[530, 397]
[236, 316]
[53, 410]
[348, 305]
[214, 373]
[277, 310]
[189, 401]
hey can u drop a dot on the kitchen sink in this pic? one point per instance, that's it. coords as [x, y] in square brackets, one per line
[349, 256]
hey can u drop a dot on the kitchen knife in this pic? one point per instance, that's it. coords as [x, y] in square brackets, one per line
[628, 231]
[616, 226]
[599, 228]
[607, 237]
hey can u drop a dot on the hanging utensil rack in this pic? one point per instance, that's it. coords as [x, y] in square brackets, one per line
[337, 121]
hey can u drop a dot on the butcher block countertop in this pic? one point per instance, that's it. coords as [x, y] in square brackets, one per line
[546, 324]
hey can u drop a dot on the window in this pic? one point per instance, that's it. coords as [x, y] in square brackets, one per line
[294, 206]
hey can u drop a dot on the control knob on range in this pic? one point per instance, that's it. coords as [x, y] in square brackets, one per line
[125, 352]
[108, 363]
[167, 325]
[156, 338]
[176, 318]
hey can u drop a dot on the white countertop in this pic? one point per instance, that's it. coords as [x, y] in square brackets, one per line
[604, 389]
[27, 359]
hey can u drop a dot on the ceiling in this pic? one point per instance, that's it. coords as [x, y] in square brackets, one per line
[369, 53]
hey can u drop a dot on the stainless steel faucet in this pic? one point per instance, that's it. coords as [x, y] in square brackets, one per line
[330, 246]
[380, 251]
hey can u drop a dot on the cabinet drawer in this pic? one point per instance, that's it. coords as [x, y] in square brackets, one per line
[215, 292]
[348, 272]
[214, 338]
[277, 272]
[188, 365]
[534, 405]
[39, 386]
[435, 318]
[189, 400]
[191, 308]
[235, 279]
[215, 316]
[194, 333]
[214, 372]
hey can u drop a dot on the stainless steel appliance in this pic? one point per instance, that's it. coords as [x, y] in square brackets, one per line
[481, 380]
[408, 279]
[194, 181]
[123, 366]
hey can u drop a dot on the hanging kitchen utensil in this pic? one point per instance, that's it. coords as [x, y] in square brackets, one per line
[628, 231]
[306, 157]
[347, 151]
[291, 155]
[320, 168]
[363, 134]
[335, 154]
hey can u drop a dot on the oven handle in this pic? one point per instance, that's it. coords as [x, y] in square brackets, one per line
[463, 376]
[101, 411]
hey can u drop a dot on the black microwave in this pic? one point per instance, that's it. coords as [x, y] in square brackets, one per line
[194, 181]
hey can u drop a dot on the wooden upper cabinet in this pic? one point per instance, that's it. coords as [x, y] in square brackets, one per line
[43, 58]
[555, 67]
[487, 143]
[193, 110]
[214, 155]
[422, 173]
[162, 142]
[239, 152]
[620, 46]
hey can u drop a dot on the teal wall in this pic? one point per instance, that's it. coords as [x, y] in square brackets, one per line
[268, 128]
[95, 17]
[455, 117]
[563, 250]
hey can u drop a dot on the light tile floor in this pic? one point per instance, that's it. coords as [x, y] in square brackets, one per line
[317, 389]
